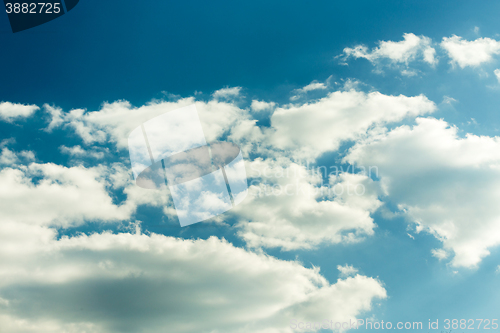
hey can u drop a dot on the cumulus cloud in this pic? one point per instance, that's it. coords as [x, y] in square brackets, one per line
[310, 129]
[260, 106]
[50, 194]
[297, 131]
[9, 157]
[149, 283]
[307, 129]
[411, 48]
[114, 121]
[447, 185]
[288, 207]
[54, 195]
[470, 53]
[10, 112]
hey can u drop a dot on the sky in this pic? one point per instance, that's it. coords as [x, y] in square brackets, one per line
[380, 117]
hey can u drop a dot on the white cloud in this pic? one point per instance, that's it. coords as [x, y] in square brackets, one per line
[260, 106]
[411, 48]
[54, 195]
[10, 112]
[447, 185]
[497, 74]
[470, 53]
[114, 122]
[310, 129]
[299, 131]
[307, 130]
[314, 85]
[347, 270]
[59, 195]
[56, 117]
[149, 283]
[27, 155]
[8, 157]
[287, 207]
[226, 93]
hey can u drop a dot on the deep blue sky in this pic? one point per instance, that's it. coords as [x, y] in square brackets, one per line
[135, 50]
[105, 50]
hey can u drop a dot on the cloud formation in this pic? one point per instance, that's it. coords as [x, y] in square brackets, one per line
[411, 48]
[289, 208]
[473, 53]
[311, 129]
[446, 185]
[10, 112]
[149, 283]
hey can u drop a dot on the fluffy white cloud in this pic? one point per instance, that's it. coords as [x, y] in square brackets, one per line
[11, 111]
[9, 157]
[449, 186]
[305, 130]
[470, 53]
[114, 121]
[305, 219]
[288, 207]
[55, 195]
[50, 194]
[149, 283]
[411, 48]
[310, 129]
[260, 106]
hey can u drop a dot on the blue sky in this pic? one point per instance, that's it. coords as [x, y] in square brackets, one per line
[429, 126]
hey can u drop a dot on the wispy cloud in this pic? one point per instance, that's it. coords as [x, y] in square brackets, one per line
[397, 54]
